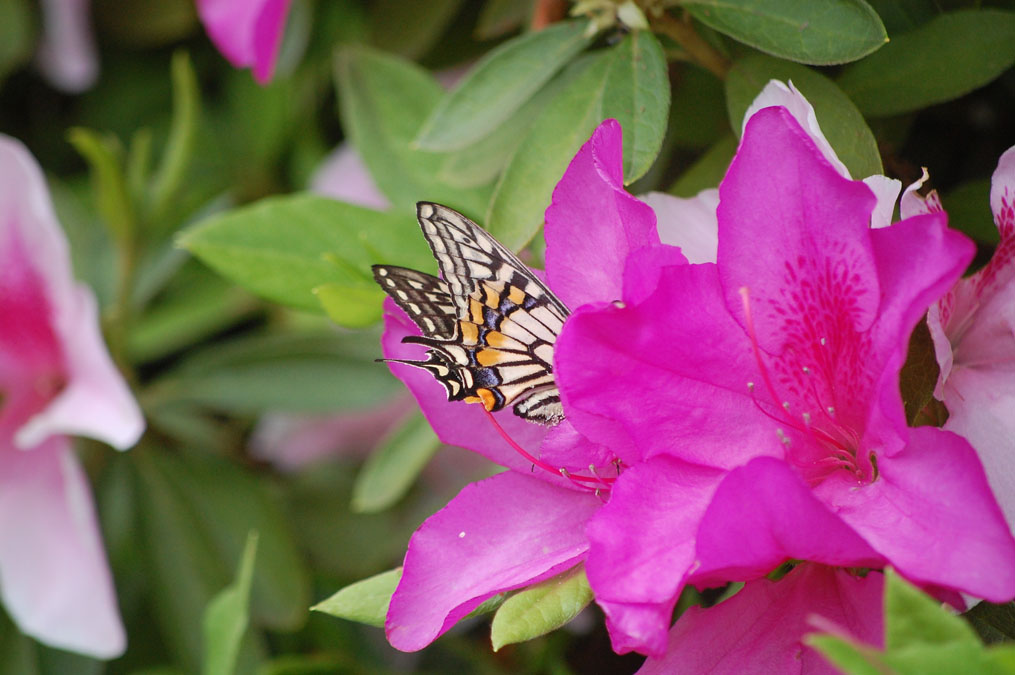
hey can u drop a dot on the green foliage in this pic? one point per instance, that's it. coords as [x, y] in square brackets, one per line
[394, 466]
[920, 637]
[364, 601]
[541, 608]
[225, 619]
[820, 32]
[939, 61]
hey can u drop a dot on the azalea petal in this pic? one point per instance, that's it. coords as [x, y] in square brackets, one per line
[247, 32]
[66, 53]
[759, 630]
[343, 176]
[911, 278]
[592, 223]
[641, 548]
[665, 376]
[54, 578]
[499, 534]
[779, 190]
[643, 269]
[95, 401]
[688, 223]
[763, 515]
[564, 447]
[787, 96]
[932, 514]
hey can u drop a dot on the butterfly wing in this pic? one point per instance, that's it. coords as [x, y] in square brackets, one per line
[489, 325]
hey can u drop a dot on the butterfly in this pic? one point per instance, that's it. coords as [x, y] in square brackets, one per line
[489, 324]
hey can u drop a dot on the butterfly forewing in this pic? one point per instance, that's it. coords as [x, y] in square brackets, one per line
[489, 325]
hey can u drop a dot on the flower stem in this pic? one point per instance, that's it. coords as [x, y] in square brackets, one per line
[700, 51]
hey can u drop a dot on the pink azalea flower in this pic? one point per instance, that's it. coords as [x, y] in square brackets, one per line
[247, 32]
[66, 54]
[756, 400]
[524, 525]
[973, 328]
[762, 625]
[56, 379]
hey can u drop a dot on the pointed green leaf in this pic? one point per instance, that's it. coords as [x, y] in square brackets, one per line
[365, 601]
[105, 159]
[637, 94]
[840, 121]
[524, 189]
[819, 32]
[499, 84]
[383, 101]
[226, 618]
[848, 656]
[180, 144]
[392, 468]
[284, 247]
[993, 622]
[941, 60]
[541, 608]
[350, 304]
[912, 617]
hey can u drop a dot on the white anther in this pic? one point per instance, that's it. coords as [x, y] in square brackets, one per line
[822, 342]
[750, 387]
[831, 410]
[807, 419]
[782, 437]
[785, 406]
[461, 535]
[807, 371]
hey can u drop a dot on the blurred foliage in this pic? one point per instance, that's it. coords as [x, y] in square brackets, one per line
[173, 154]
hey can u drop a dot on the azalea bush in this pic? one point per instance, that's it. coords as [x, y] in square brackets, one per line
[781, 239]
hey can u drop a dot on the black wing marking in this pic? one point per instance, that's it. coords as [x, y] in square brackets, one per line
[424, 297]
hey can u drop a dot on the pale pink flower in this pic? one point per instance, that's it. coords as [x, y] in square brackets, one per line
[66, 54]
[56, 379]
[247, 32]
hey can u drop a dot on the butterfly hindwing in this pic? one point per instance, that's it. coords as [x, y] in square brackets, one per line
[489, 325]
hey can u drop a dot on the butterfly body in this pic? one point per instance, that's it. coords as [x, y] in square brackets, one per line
[489, 325]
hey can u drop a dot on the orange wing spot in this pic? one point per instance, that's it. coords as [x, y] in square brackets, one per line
[496, 338]
[470, 332]
[516, 295]
[489, 357]
[475, 311]
[492, 294]
[471, 399]
[488, 398]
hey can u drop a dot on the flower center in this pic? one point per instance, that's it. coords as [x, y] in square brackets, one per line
[817, 442]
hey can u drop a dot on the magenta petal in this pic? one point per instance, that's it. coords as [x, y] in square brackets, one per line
[499, 534]
[932, 514]
[762, 515]
[247, 32]
[665, 376]
[641, 548]
[759, 630]
[456, 422]
[781, 194]
[592, 223]
[564, 447]
[55, 580]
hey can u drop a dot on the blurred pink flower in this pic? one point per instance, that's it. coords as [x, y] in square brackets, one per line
[343, 176]
[66, 53]
[973, 327]
[247, 32]
[56, 379]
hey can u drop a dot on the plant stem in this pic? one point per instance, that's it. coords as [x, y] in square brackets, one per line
[700, 51]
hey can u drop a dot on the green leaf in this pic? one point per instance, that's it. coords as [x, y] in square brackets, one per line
[840, 121]
[524, 189]
[391, 469]
[365, 601]
[295, 373]
[17, 35]
[105, 159]
[848, 656]
[913, 617]
[351, 305]
[708, 171]
[180, 144]
[383, 101]
[225, 619]
[542, 608]
[277, 247]
[499, 84]
[819, 32]
[941, 60]
[637, 94]
[993, 622]
[968, 208]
